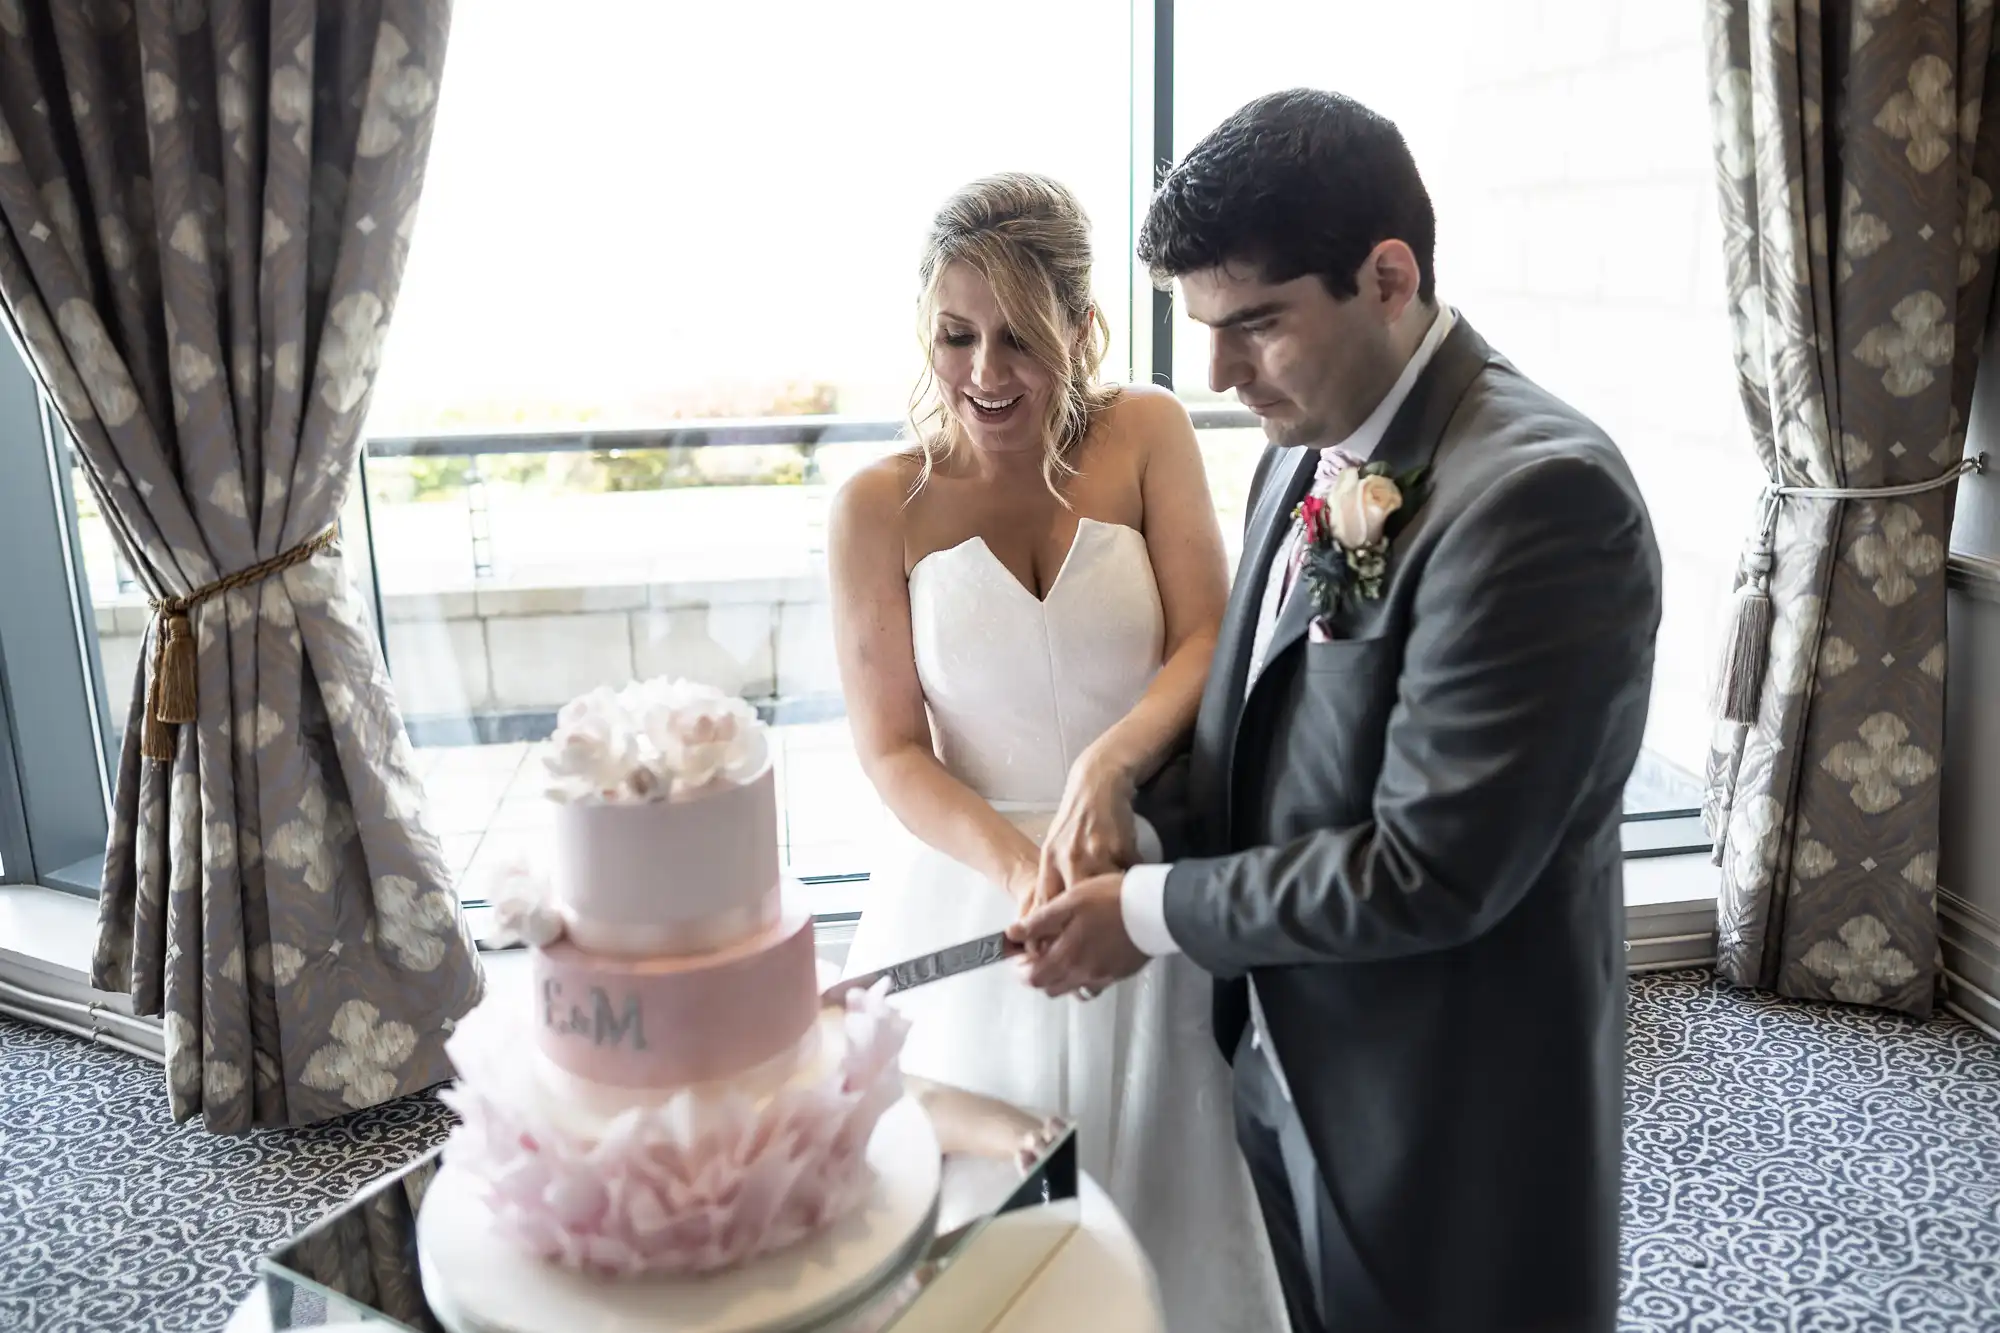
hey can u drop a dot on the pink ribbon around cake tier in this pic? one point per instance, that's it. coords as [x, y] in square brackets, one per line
[665, 1022]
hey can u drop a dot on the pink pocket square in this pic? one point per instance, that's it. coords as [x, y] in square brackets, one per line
[1320, 630]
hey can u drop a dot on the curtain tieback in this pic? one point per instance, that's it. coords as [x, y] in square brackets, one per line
[1746, 650]
[170, 685]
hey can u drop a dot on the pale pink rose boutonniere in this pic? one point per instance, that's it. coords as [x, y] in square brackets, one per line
[1347, 535]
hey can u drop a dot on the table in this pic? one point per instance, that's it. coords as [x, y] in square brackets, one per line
[1099, 1280]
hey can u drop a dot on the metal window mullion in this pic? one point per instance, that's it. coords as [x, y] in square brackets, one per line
[1163, 160]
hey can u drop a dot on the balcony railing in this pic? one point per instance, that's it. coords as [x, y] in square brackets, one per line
[803, 431]
[1659, 795]
[485, 661]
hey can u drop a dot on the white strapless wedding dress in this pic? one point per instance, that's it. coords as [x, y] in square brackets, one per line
[1016, 689]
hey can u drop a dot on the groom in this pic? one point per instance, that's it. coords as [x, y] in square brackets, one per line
[1398, 839]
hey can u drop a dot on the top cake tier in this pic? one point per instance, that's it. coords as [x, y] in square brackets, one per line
[678, 876]
[667, 835]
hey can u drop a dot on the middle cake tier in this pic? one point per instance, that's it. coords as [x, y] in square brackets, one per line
[672, 1021]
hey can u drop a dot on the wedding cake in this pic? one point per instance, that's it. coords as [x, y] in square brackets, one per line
[673, 1133]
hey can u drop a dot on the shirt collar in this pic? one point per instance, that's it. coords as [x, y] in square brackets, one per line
[1367, 437]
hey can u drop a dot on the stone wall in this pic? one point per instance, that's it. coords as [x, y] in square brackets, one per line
[515, 650]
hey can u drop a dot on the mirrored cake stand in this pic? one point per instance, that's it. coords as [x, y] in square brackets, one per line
[996, 1227]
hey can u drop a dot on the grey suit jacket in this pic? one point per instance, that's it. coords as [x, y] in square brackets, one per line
[1409, 837]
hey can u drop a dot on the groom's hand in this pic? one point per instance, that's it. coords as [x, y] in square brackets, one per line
[1079, 940]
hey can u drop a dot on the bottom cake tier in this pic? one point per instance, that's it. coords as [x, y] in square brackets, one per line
[475, 1282]
[699, 1180]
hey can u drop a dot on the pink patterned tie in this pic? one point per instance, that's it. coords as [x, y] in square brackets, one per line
[1332, 462]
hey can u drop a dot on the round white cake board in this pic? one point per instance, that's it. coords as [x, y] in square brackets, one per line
[476, 1282]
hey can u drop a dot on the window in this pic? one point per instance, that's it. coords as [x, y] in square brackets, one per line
[15, 865]
[713, 218]
[54, 784]
[658, 310]
[13, 861]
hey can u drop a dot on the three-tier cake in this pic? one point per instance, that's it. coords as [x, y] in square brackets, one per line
[673, 1131]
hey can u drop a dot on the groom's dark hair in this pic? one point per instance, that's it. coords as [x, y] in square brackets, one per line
[1295, 183]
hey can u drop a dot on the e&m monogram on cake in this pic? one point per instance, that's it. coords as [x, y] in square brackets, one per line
[601, 1023]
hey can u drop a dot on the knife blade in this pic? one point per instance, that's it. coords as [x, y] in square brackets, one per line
[949, 961]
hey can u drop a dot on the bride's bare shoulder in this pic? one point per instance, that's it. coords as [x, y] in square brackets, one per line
[1141, 413]
[1143, 398]
[1144, 420]
[870, 505]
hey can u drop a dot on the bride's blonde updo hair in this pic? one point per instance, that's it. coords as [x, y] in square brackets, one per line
[1030, 239]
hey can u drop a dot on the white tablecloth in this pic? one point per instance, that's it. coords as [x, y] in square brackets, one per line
[1099, 1280]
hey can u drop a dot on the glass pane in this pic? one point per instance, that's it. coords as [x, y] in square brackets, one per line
[1566, 148]
[119, 604]
[14, 866]
[514, 582]
[735, 239]
[735, 232]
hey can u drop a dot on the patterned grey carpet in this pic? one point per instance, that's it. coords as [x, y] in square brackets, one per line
[114, 1218]
[1807, 1167]
[1788, 1167]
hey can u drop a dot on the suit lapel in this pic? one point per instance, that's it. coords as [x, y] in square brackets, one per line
[1284, 477]
[1290, 474]
[1294, 619]
[1409, 443]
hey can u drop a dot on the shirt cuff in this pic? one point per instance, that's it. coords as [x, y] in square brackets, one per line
[1142, 902]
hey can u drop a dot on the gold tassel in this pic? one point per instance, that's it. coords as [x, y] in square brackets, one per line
[1747, 649]
[171, 697]
[176, 703]
[156, 739]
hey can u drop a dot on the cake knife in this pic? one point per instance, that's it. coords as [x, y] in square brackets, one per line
[935, 966]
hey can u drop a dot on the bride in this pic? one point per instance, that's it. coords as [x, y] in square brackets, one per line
[1025, 603]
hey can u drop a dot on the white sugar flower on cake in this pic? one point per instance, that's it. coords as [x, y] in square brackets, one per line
[698, 733]
[652, 740]
[523, 910]
[594, 751]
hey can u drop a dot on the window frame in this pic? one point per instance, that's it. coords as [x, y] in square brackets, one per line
[56, 765]
[16, 859]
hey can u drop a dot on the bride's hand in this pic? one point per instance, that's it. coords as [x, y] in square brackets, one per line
[1023, 875]
[1021, 884]
[1093, 831]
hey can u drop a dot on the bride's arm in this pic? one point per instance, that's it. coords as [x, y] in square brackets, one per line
[885, 703]
[1184, 541]
[1092, 832]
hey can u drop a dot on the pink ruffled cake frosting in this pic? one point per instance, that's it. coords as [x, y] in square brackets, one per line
[704, 1180]
[682, 1102]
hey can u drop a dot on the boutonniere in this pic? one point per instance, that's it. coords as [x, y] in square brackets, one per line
[1348, 531]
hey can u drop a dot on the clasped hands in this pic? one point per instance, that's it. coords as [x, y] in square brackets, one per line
[1072, 922]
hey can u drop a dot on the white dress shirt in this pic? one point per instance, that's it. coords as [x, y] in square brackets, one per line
[1142, 896]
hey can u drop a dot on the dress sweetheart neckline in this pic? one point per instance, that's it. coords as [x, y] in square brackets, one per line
[1075, 540]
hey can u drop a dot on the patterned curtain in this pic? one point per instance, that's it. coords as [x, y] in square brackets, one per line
[1857, 152]
[204, 214]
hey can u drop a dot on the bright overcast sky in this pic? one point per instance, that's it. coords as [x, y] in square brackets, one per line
[647, 200]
